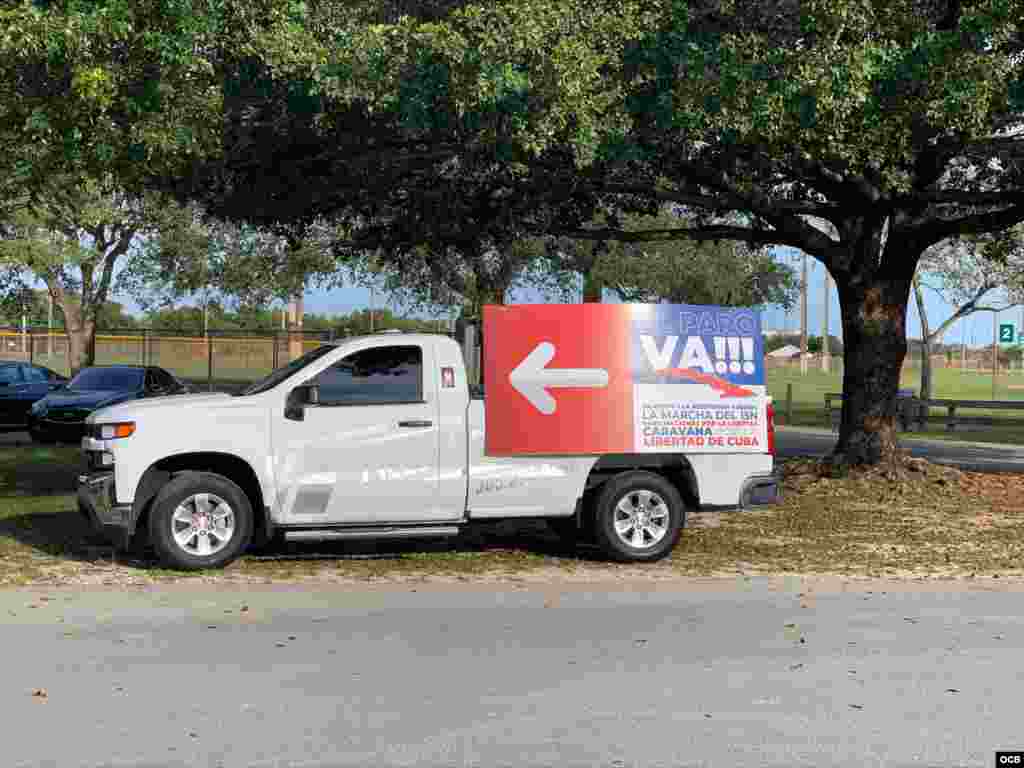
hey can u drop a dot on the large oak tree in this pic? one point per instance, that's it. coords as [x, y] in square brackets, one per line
[859, 131]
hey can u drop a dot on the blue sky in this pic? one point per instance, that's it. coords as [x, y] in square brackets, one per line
[975, 330]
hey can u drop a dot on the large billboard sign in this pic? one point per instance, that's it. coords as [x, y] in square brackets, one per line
[623, 378]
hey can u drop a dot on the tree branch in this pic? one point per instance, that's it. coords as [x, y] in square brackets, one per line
[971, 198]
[997, 309]
[711, 202]
[123, 243]
[936, 230]
[965, 309]
[699, 233]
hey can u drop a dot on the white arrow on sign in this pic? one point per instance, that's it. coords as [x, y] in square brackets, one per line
[531, 378]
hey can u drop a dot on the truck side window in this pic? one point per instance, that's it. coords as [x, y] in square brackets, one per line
[376, 376]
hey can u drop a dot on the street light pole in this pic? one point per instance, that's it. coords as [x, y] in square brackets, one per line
[995, 351]
[826, 358]
[803, 319]
[49, 323]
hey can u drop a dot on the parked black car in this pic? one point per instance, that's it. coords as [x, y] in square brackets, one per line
[60, 416]
[21, 385]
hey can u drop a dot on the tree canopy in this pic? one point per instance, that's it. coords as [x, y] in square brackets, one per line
[859, 131]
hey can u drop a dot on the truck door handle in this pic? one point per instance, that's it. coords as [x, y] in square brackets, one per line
[416, 423]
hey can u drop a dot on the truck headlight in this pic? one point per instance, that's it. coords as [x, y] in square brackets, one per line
[114, 431]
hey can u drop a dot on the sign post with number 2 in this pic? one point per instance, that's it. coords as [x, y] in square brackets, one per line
[1006, 335]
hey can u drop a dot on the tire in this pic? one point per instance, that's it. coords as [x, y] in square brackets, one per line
[565, 528]
[41, 439]
[223, 534]
[662, 517]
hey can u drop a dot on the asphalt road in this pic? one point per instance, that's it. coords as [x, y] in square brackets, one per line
[972, 456]
[736, 673]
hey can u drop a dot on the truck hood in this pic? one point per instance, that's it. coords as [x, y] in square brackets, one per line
[89, 398]
[169, 403]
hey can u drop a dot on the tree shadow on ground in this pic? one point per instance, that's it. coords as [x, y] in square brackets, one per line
[68, 535]
[529, 538]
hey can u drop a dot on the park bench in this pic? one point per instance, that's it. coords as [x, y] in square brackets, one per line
[906, 414]
[954, 420]
[912, 412]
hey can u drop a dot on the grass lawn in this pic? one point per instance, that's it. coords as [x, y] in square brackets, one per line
[948, 383]
[927, 521]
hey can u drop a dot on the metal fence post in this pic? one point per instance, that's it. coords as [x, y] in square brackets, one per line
[145, 333]
[209, 352]
[275, 351]
[31, 349]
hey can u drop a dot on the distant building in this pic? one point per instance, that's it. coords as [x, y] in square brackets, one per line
[787, 352]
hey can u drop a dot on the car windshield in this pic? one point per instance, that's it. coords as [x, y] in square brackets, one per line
[107, 378]
[287, 371]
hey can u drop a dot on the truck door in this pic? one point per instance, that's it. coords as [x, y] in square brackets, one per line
[368, 452]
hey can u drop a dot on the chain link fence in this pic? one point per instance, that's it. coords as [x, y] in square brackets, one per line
[219, 361]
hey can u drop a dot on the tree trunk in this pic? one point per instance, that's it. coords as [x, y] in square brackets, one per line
[874, 345]
[494, 295]
[926, 344]
[81, 345]
[593, 288]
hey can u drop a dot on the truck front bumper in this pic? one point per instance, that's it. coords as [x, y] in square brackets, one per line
[761, 490]
[98, 502]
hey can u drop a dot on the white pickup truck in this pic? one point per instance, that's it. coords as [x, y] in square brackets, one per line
[363, 439]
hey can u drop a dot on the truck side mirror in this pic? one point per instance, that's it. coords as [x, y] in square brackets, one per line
[298, 399]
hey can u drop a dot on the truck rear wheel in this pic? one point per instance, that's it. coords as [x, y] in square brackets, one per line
[200, 520]
[638, 516]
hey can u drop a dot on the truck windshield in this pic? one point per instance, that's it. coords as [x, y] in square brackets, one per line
[107, 378]
[280, 374]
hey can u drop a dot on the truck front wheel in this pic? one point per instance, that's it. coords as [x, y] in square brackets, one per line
[639, 516]
[200, 520]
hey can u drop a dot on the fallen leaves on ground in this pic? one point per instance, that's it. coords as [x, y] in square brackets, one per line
[909, 518]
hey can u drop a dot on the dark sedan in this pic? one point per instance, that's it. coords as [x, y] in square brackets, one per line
[60, 416]
[21, 385]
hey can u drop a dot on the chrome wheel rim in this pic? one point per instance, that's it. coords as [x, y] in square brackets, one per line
[203, 524]
[641, 519]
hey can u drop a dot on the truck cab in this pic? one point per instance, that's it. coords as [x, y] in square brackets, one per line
[376, 436]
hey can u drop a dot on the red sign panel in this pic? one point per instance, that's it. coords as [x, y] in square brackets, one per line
[557, 381]
[616, 378]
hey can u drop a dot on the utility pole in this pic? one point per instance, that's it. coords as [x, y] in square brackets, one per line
[995, 351]
[963, 346]
[49, 323]
[826, 359]
[296, 310]
[803, 319]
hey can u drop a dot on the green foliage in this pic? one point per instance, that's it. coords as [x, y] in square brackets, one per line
[207, 259]
[111, 86]
[681, 271]
[187, 320]
[32, 305]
